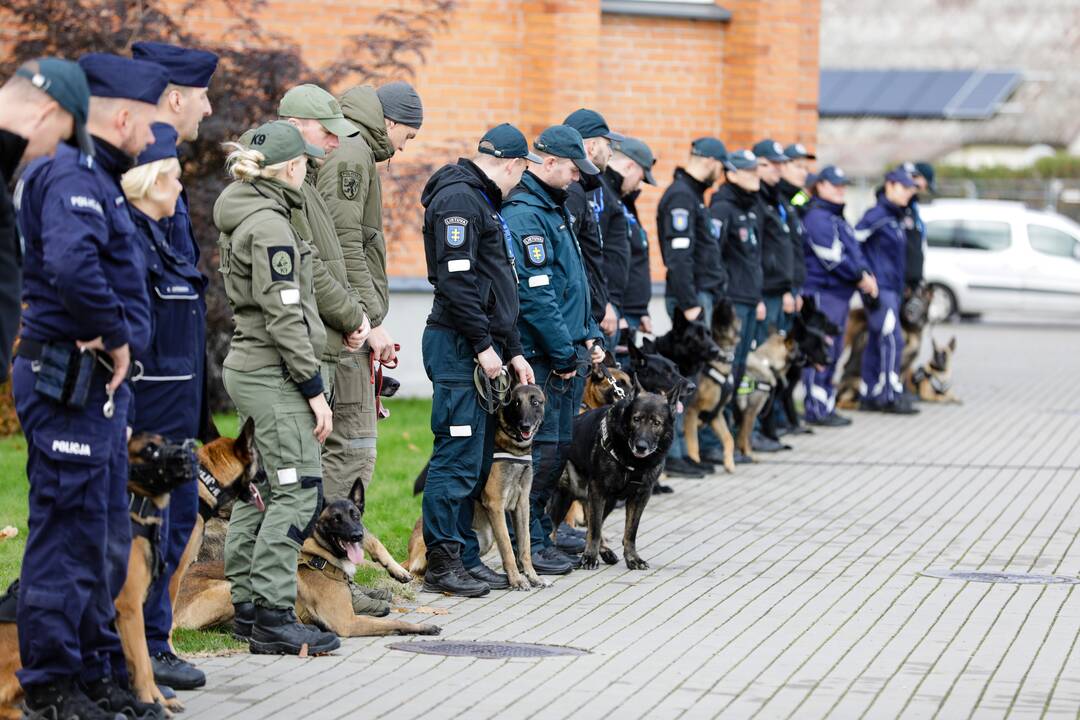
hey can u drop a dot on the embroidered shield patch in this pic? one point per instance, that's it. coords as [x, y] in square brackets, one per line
[717, 226]
[349, 182]
[455, 235]
[680, 219]
[535, 252]
[281, 262]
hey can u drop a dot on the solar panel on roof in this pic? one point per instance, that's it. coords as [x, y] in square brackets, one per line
[940, 89]
[983, 97]
[960, 94]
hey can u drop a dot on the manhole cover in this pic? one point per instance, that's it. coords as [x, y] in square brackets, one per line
[1001, 577]
[485, 649]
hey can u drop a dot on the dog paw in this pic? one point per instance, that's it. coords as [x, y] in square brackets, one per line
[609, 556]
[521, 584]
[729, 467]
[429, 630]
[401, 575]
[636, 564]
[589, 562]
[536, 582]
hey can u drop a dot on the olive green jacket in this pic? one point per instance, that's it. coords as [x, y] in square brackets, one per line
[350, 185]
[339, 305]
[267, 270]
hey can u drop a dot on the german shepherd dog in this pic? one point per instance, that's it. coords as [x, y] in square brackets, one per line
[814, 334]
[602, 382]
[327, 561]
[766, 366]
[715, 387]
[689, 345]
[156, 468]
[506, 489]
[617, 453]
[653, 372]
[933, 381]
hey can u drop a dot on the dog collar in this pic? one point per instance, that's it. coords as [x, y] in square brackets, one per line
[511, 457]
[718, 376]
[143, 508]
[605, 443]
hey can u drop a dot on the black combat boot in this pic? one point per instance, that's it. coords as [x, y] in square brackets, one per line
[60, 700]
[445, 573]
[243, 619]
[277, 632]
[113, 695]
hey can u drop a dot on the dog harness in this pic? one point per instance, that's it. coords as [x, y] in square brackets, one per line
[939, 386]
[313, 555]
[605, 443]
[512, 458]
[146, 523]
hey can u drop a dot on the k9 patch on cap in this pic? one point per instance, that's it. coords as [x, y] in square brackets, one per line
[680, 219]
[281, 262]
[455, 231]
[535, 252]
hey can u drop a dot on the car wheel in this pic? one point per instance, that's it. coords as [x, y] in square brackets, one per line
[942, 305]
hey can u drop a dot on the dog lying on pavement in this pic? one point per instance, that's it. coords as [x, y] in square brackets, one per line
[933, 381]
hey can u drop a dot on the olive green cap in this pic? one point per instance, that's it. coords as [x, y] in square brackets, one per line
[311, 102]
[280, 142]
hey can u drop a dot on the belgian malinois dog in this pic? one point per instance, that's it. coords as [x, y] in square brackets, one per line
[506, 489]
[933, 381]
[603, 382]
[617, 453]
[715, 387]
[766, 366]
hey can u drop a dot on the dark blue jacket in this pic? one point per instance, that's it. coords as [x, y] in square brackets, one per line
[688, 242]
[554, 319]
[793, 217]
[738, 224]
[169, 397]
[614, 235]
[834, 260]
[639, 283]
[916, 244]
[83, 276]
[884, 243]
[776, 251]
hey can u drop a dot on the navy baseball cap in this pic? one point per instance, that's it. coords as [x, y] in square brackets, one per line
[591, 124]
[566, 142]
[927, 171]
[901, 175]
[640, 153]
[830, 174]
[185, 66]
[506, 141]
[798, 151]
[112, 76]
[65, 82]
[164, 145]
[771, 150]
[709, 147]
[741, 160]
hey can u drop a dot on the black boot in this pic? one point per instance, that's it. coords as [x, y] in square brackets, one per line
[445, 573]
[176, 672]
[60, 700]
[115, 696]
[277, 632]
[494, 580]
[243, 619]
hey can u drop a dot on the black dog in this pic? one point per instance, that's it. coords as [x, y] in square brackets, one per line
[654, 373]
[689, 345]
[813, 333]
[617, 454]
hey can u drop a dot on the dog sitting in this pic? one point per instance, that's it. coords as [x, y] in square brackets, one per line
[765, 368]
[617, 453]
[715, 387]
[933, 381]
[506, 488]
[689, 345]
[814, 335]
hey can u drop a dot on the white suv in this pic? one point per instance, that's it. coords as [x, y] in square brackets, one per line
[988, 255]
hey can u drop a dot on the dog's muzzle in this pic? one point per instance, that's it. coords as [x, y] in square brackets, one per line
[164, 467]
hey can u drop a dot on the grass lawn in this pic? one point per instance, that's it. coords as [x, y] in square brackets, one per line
[404, 447]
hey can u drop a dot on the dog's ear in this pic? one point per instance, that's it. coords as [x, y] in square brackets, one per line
[934, 346]
[952, 344]
[648, 346]
[358, 495]
[244, 445]
[609, 359]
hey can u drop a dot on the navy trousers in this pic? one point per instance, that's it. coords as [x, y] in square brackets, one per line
[820, 393]
[885, 344]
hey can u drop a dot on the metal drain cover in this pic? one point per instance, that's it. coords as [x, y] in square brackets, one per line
[1001, 577]
[491, 650]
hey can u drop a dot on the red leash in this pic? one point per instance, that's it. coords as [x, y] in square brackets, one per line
[376, 371]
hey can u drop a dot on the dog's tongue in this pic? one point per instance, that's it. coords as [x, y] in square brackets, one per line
[256, 499]
[355, 551]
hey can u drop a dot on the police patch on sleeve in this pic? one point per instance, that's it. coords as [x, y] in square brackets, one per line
[349, 184]
[455, 231]
[717, 227]
[680, 219]
[535, 252]
[281, 262]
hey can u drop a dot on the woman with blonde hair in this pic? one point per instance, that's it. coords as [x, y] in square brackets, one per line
[272, 373]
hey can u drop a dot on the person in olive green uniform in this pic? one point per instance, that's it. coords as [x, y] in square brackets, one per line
[387, 119]
[272, 373]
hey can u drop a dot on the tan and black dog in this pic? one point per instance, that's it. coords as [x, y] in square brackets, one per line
[715, 387]
[766, 366]
[601, 384]
[933, 381]
[506, 489]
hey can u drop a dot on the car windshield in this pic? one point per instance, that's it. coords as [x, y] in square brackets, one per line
[968, 234]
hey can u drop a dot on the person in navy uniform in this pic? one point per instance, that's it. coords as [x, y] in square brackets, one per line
[86, 314]
[172, 398]
[634, 160]
[884, 245]
[557, 330]
[835, 267]
[43, 103]
[473, 322]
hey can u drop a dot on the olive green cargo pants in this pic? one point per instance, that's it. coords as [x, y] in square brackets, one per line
[349, 452]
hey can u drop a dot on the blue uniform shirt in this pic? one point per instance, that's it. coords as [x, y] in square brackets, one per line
[884, 243]
[834, 259]
[181, 236]
[83, 275]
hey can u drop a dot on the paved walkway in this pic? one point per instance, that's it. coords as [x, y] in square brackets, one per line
[790, 589]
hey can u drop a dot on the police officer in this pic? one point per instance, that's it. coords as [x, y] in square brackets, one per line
[923, 173]
[696, 277]
[634, 160]
[556, 326]
[44, 102]
[835, 267]
[472, 326]
[884, 245]
[736, 217]
[172, 396]
[386, 119]
[272, 373]
[776, 247]
[608, 214]
[84, 289]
